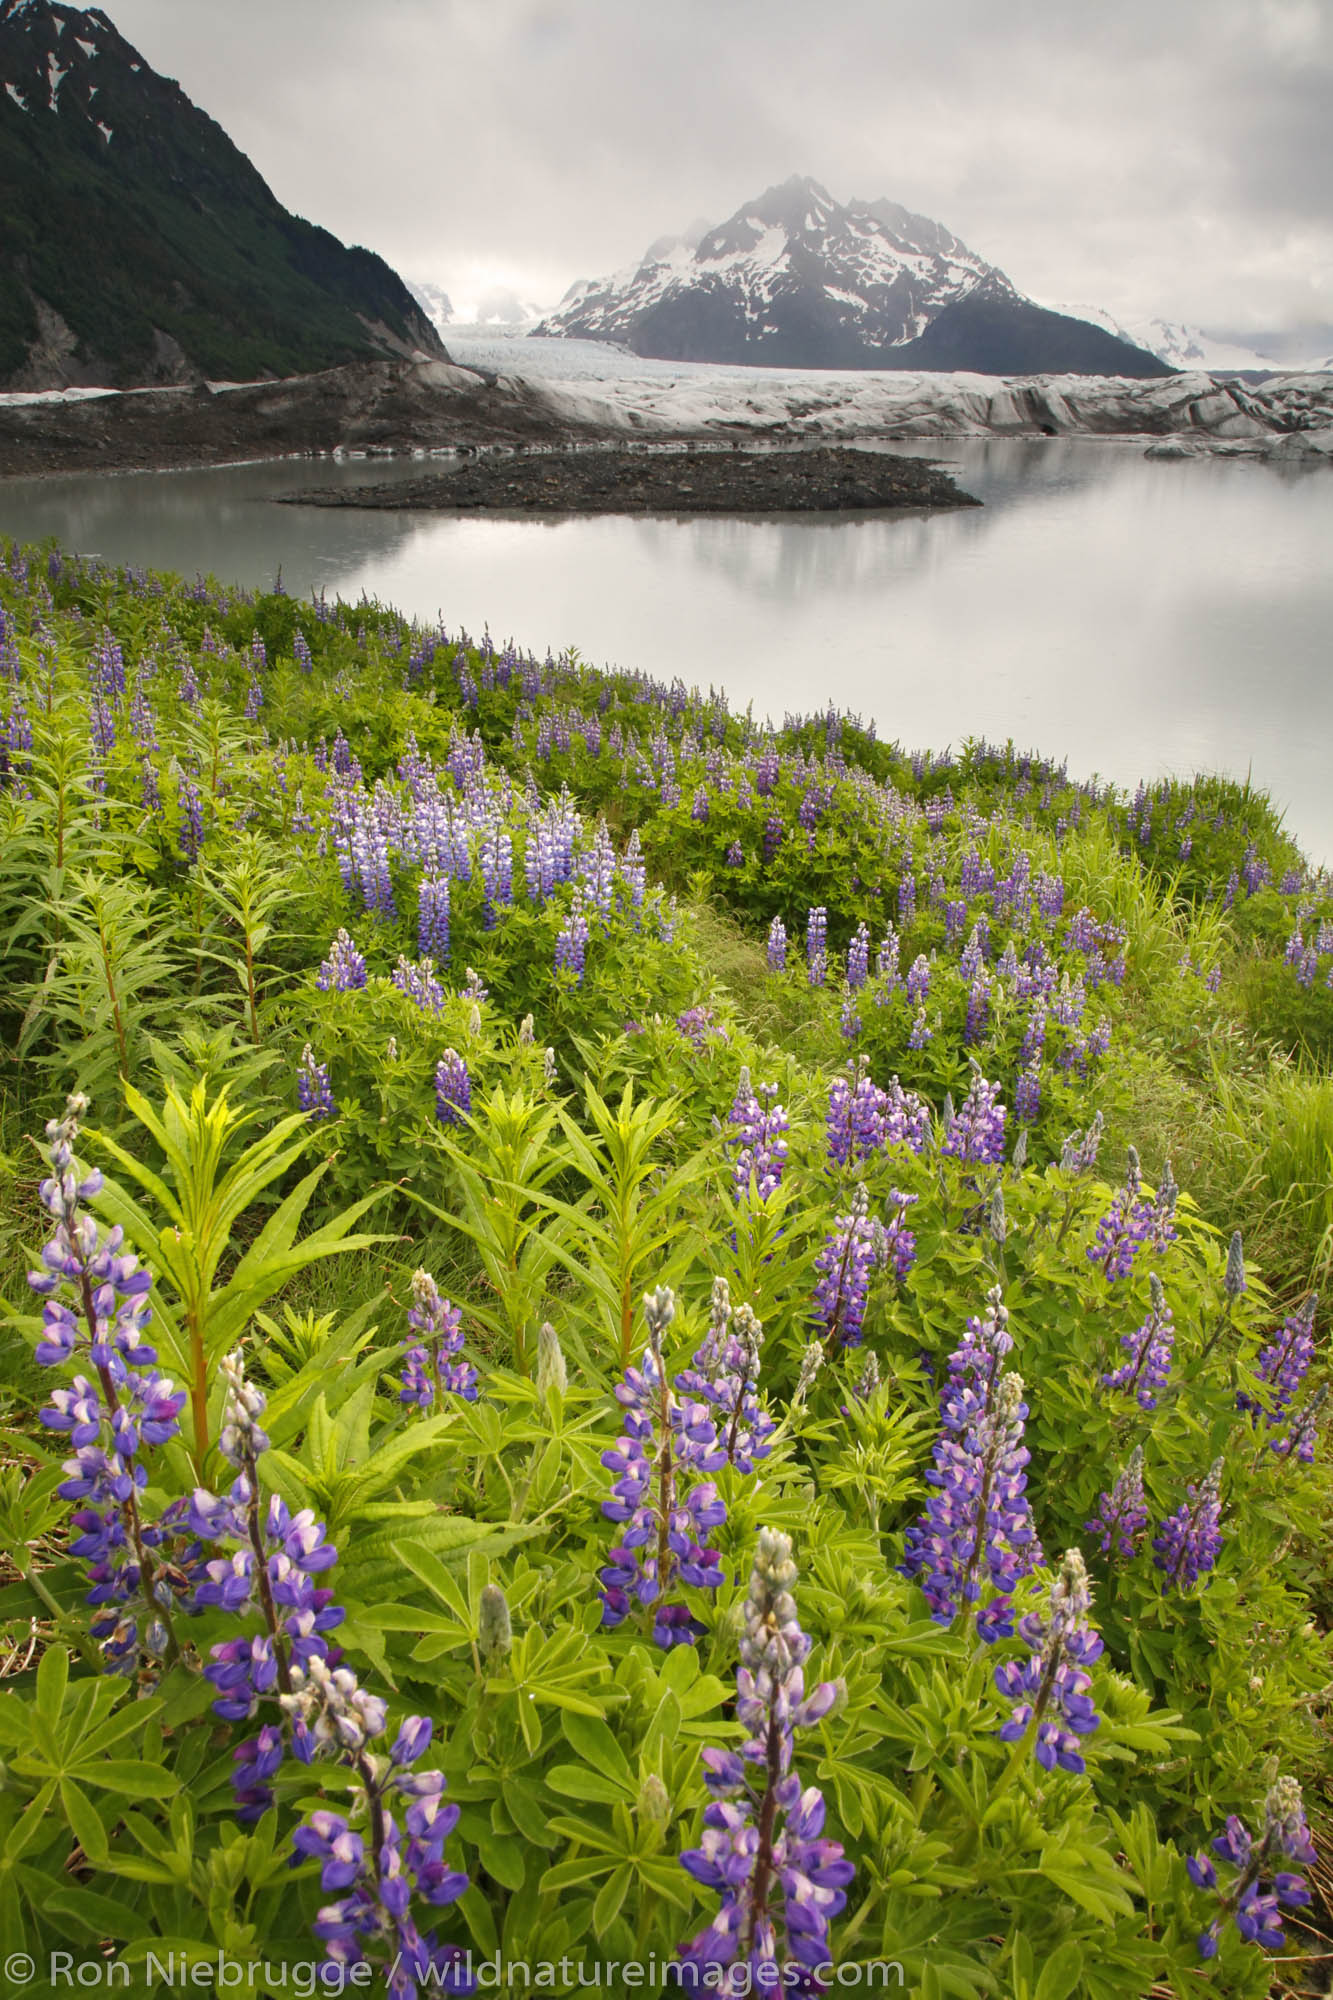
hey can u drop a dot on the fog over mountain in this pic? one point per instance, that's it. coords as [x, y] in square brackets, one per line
[796, 279]
[1156, 162]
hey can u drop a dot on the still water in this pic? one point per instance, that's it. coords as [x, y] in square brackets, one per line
[1135, 617]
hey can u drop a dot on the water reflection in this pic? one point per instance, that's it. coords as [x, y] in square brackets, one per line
[1131, 615]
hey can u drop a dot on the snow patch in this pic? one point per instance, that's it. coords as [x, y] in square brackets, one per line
[89, 48]
[16, 398]
[54, 75]
[105, 131]
[17, 96]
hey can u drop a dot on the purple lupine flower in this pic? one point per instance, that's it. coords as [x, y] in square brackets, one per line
[271, 1573]
[1027, 1094]
[432, 1364]
[1281, 1366]
[777, 946]
[667, 1435]
[895, 1244]
[735, 855]
[1053, 1708]
[858, 958]
[1163, 1229]
[453, 1088]
[886, 963]
[344, 970]
[975, 1135]
[762, 1124]
[1149, 1351]
[495, 856]
[15, 741]
[762, 1848]
[906, 901]
[94, 1310]
[978, 1006]
[1122, 1514]
[725, 1374]
[773, 832]
[103, 725]
[920, 1032]
[699, 805]
[597, 869]
[918, 980]
[816, 945]
[1127, 1225]
[976, 1528]
[973, 1369]
[858, 1120]
[109, 667]
[907, 1118]
[314, 1093]
[1188, 1542]
[1253, 1896]
[1298, 1441]
[571, 945]
[845, 1264]
[419, 983]
[433, 918]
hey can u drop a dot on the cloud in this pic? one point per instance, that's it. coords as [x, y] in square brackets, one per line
[1147, 159]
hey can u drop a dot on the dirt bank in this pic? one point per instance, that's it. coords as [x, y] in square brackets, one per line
[637, 481]
[376, 405]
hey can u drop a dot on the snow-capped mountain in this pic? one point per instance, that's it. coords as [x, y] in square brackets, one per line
[1180, 346]
[796, 279]
[434, 302]
[498, 308]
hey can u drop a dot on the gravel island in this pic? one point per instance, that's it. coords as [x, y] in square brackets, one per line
[615, 480]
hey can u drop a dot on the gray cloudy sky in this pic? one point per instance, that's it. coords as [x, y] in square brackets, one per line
[1149, 156]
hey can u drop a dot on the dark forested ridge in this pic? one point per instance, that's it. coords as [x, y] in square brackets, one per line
[138, 244]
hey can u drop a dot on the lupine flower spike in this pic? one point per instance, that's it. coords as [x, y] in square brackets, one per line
[433, 1364]
[976, 1529]
[1281, 1367]
[1122, 1514]
[1188, 1542]
[94, 1311]
[1053, 1708]
[781, 1882]
[1258, 1884]
[725, 1375]
[1149, 1351]
[665, 1507]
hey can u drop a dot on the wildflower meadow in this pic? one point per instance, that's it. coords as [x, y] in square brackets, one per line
[642, 1349]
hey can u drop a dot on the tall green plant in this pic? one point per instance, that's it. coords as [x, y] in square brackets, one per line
[188, 1215]
[628, 1229]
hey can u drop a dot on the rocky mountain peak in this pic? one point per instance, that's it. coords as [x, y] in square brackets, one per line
[796, 278]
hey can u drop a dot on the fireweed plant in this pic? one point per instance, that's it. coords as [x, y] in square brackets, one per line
[787, 1487]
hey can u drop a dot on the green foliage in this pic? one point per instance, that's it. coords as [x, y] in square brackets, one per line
[596, 1162]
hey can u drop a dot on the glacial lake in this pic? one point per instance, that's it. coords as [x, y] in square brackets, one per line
[1135, 617]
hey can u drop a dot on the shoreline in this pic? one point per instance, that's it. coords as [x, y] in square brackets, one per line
[423, 407]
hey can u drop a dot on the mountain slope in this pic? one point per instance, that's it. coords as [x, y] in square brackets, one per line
[798, 280]
[138, 244]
